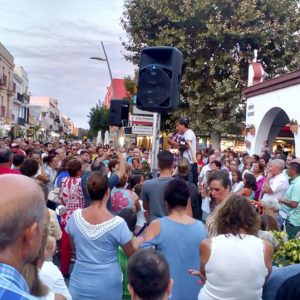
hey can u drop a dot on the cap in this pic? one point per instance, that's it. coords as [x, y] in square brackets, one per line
[14, 145]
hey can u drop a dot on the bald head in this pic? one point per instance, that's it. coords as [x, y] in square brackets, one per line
[21, 204]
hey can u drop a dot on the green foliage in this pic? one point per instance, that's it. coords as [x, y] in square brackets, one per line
[217, 39]
[98, 120]
[288, 251]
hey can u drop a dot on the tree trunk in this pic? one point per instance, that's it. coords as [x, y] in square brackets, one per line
[216, 141]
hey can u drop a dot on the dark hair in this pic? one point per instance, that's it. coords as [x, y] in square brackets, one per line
[217, 163]
[250, 181]
[129, 216]
[134, 180]
[165, 159]
[148, 274]
[5, 155]
[237, 213]
[112, 164]
[38, 152]
[97, 186]
[82, 152]
[256, 157]
[261, 167]
[177, 193]
[239, 175]
[98, 166]
[294, 165]
[138, 189]
[48, 159]
[73, 167]
[222, 176]
[266, 158]
[183, 121]
[18, 159]
[29, 167]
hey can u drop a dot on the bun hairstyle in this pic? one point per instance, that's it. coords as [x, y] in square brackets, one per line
[97, 186]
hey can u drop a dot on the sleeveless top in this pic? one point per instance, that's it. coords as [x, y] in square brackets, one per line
[179, 243]
[235, 269]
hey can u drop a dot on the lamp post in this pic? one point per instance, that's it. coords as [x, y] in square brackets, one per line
[109, 70]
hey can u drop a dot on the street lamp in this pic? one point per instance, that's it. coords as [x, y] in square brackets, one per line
[109, 70]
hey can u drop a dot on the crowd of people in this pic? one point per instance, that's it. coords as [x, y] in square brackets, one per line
[200, 230]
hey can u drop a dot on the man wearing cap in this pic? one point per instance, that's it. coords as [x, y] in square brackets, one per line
[6, 160]
[275, 185]
[291, 200]
[15, 148]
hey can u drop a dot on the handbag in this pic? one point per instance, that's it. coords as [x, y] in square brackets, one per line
[53, 195]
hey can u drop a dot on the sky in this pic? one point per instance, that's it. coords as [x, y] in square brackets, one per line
[53, 41]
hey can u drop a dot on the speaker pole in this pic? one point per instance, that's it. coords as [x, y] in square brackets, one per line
[155, 143]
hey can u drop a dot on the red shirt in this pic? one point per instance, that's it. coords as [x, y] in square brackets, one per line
[6, 170]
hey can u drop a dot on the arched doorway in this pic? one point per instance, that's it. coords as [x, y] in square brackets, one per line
[274, 129]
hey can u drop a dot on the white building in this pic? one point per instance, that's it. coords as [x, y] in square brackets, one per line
[20, 101]
[44, 110]
[271, 105]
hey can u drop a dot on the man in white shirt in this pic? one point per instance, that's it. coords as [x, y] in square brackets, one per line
[275, 185]
[182, 126]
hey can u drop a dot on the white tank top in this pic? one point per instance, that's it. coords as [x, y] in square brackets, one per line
[236, 269]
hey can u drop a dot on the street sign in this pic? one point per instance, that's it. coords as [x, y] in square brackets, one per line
[142, 120]
[139, 129]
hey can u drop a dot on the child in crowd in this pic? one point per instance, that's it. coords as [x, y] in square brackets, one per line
[130, 218]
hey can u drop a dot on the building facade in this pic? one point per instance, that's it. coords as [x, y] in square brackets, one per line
[20, 116]
[7, 90]
[45, 114]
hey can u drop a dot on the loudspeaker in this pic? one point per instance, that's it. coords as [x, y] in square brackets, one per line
[160, 71]
[118, 113]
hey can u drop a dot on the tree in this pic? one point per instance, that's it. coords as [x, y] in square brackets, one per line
[217, 39]
[98, 120]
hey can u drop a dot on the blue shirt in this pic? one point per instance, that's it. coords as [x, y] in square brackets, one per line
[12, 285]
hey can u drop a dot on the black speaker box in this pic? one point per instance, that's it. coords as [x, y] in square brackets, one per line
[118, 113]
[160, 72]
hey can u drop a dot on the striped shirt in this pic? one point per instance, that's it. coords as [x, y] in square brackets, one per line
[12, 285]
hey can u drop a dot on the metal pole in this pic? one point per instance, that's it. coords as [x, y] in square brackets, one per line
[155, 143]
[109, 70]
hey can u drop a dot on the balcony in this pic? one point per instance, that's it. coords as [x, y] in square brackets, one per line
[3, 81]
[11, 90]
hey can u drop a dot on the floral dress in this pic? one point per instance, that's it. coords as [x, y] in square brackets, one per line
[122, 198]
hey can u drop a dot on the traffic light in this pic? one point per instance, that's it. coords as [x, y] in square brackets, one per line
[159, 79]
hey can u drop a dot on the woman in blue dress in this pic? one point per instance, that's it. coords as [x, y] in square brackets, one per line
[178, 237]
[96, 235]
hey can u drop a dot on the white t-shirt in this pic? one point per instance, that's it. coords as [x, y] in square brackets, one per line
[189, 135]
[51, 276]
[279, 185]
